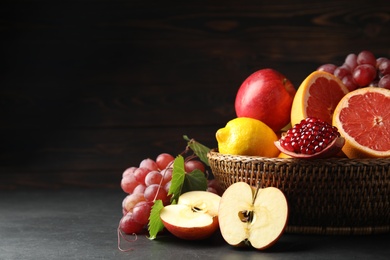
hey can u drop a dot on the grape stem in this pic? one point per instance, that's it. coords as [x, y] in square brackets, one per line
[121, 235]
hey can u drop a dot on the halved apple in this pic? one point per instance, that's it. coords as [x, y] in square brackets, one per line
[252, 216]
[194, 217]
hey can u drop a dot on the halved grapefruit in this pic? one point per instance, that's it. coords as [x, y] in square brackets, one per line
[363, 119]
[317, 96]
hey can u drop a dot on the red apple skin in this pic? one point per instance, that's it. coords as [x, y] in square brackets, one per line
[193, 233]
[266, 95]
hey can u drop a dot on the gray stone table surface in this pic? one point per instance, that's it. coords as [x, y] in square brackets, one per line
[82, 224]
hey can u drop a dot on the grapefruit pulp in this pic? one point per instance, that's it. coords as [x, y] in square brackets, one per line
[363, 119]
[317, 96]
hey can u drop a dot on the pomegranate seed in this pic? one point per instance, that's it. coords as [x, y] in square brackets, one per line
[310, 136]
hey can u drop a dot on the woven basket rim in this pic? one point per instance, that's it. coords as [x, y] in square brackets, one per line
[213, 153]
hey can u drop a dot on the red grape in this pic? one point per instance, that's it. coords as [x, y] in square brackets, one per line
[384, 82]
[349, 82]
[361, 70]
[342, 71]
[140, 174]
[131, 200]
[213, 183]
[364, 74]
[163, 160]
[327, 67]
[141, 212]
[366, 57]
[128, 183]
[351, 61]
[129, 170]
[167, 175]
[149, 164]
[384, 67]
[153, 177]
[191, 165]
[140, 188]
[167, 186]
[379, 60]
[155, 192]
[128, 225]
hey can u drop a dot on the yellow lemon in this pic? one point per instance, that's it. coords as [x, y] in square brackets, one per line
[283, 155]
[247, 136]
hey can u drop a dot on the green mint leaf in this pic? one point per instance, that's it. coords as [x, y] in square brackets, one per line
[199, 149]
[195, 180]
[155, 224]
[178, 176]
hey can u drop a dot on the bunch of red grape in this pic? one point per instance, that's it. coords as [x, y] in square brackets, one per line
[361, 70]
[148, 182]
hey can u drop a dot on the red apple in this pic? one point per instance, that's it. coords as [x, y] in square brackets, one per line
[252, 217]
[266, 95]
[194, 217]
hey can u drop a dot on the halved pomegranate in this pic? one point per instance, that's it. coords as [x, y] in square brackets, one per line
[311, 138]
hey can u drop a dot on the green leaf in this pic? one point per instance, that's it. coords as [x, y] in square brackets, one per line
[155, 224]
[182, 182]
[199, 149]
[178, 176]
[195, 180]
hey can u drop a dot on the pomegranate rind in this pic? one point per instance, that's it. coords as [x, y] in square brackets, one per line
[331, 150]
[372, 107]
[317, 96]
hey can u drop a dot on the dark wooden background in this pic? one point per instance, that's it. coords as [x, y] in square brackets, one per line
[88, 88]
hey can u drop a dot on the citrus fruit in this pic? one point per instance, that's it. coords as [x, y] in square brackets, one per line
[317, 96]
[284, 156]
[247, 136]
[363, 119]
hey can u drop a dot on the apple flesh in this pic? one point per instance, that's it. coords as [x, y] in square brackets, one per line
[252, 216]
[194, 217]
[266, 95]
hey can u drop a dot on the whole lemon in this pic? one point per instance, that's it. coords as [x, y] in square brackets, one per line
[247, 136]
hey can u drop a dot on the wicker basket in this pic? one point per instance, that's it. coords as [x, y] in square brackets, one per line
[325, 196]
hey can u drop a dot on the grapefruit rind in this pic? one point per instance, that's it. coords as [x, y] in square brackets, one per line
[300, 103]
[353, 149]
